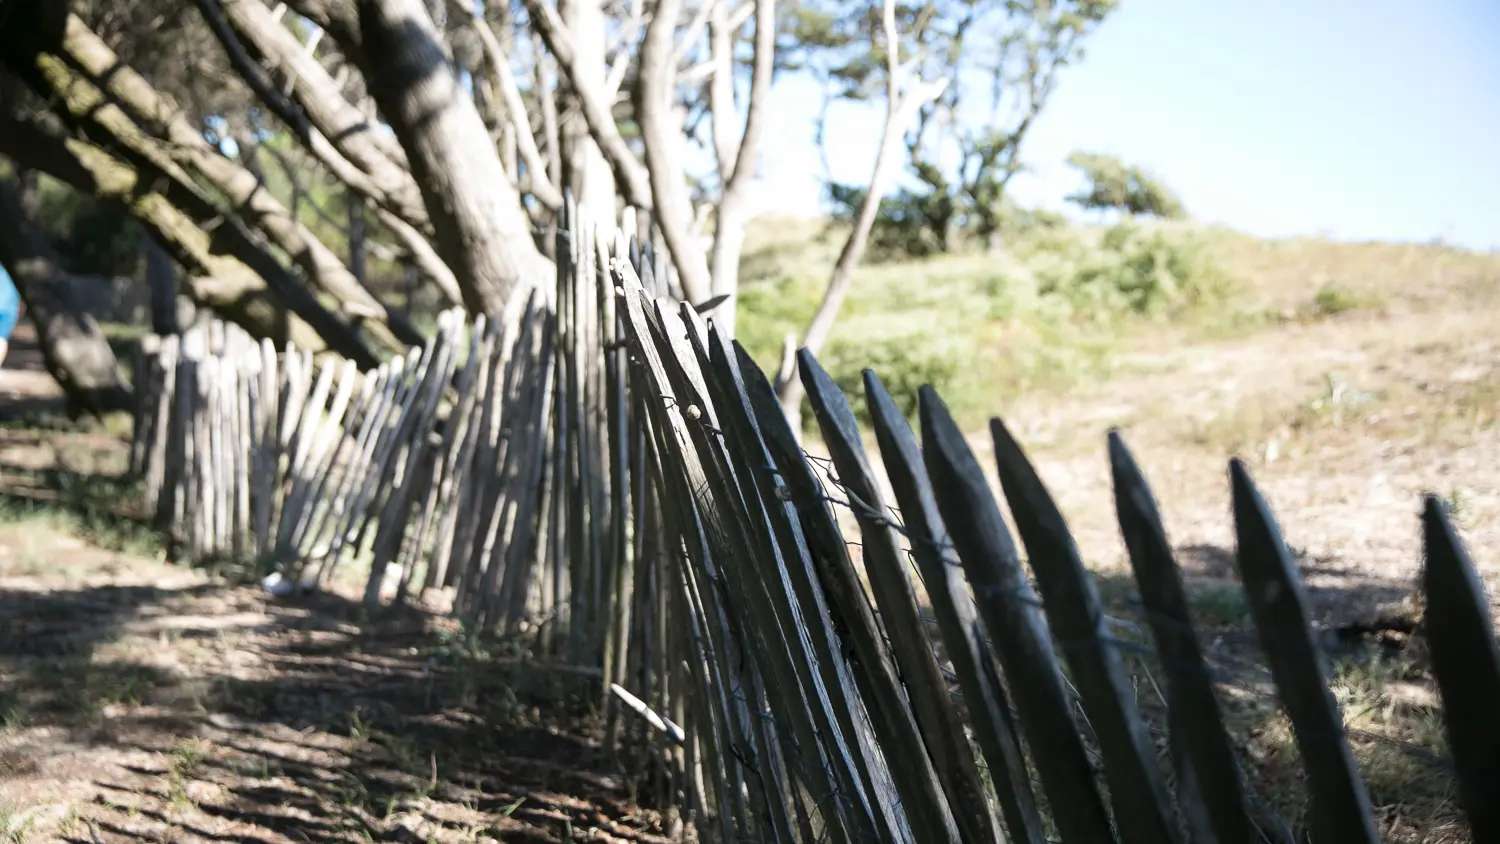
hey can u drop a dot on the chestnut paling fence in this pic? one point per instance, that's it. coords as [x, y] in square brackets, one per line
[603, 472]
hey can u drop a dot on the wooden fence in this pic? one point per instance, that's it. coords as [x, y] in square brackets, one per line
[602, 470]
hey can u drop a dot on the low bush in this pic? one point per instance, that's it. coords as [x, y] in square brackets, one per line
[1132, 270]
[903, 361]
[1045, 312]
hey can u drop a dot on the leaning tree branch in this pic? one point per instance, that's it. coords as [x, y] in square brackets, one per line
[101, 73]
[404, 201]
[427, 260]
[415, 246]
[351, 133]
[253, 293]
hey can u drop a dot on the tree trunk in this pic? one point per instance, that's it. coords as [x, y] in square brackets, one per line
[738, 156]
[661, 134]
[480, 226]
[900, 110]
[161, 284]
[73, 347]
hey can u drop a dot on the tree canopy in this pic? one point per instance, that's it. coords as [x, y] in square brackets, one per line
[1003, 60]
[292, 159]
[1112, 185]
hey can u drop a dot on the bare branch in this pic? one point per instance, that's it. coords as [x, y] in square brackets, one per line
[542, 187]
[629, 33]
[291, 114]
[351, 132]
[698, 73]
[423, 255]
[694, 30]
[736, 18]
[901, 108]
[634, 181]
[416, 246]
[661, 132]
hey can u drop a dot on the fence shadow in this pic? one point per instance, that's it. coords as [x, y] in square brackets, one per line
[210, 711]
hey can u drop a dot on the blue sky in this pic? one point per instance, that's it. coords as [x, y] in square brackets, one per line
[1356, 119]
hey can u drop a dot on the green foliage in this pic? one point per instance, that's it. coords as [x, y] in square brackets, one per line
[1334, 299]
[907, 225]
[1134, 270]
[774, 308]
[1047, 313]
[91, 237]
[1116, 186]
[904, 362]
[1220, 605]
[1005, 56]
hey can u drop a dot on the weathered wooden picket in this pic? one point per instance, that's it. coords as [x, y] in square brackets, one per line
[604, 471]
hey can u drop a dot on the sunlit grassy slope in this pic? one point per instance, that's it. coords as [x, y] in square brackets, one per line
[1058, 306]
[1352, 377]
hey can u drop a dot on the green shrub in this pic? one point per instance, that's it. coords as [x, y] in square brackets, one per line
[768, 310]
[1046, 312]
[1335, 299]
[904, 362]
[91, 236]
[1147, 272]
[1220, 605]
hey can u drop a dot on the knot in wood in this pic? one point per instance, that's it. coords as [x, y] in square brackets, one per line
[783, 492]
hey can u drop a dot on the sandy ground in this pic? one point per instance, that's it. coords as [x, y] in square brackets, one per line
[143, 702]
